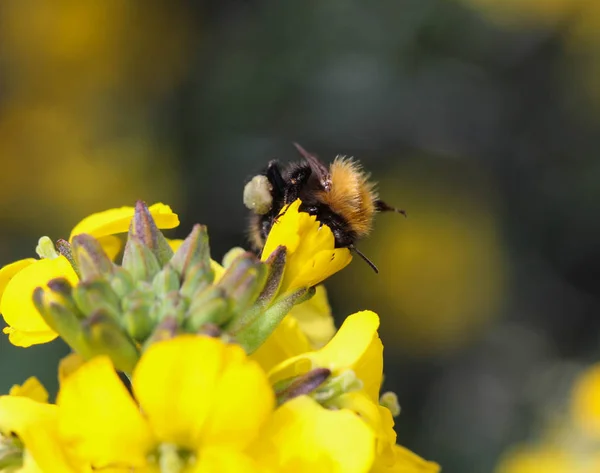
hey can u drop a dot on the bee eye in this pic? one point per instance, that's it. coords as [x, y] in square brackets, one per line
[257, 195]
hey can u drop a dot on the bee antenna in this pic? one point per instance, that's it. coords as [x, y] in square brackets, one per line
[381, 206]
[366, 260]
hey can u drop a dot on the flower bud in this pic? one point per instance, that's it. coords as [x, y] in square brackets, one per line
[301, 385]
[165, 330]
[64, 248]
[165, 281]
[91, 296]
[197, 278]
[136, 318]
[121, 282]
[92, 261]
[210, 306]
[144, 229]
[195, 249]
[172, 305]
[243, 281]
[102, 335]
[139, 260]
[59, 312]
[251, 333]
[276, 265]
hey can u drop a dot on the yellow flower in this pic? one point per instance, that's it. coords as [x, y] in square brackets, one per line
[307, 327]
[18, 280]
[404, 461]
[303, 436]
[536, 459]
[32, 389]
[311, 253]
[29, 440]
[356, 346]
[585, 404]
[201, 403]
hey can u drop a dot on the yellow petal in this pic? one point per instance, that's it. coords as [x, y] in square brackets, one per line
[68, 365]
[320, 266]
[200, 391]
[32, 389]
[99, 418]
[286, 341]
[311, 253]
[26, 325]
[377, 417]
[585, 404]
[405, 461]
[315, 319]
[224, 460]
[9, 271]
[35, 424]
[111, 245]
[216, 267]
[542, 459]
[303, 436]
[355, 346]
[114, 221]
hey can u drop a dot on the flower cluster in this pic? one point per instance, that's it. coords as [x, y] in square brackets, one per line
[225, 368]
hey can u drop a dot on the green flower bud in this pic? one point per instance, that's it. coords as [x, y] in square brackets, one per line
[252, 333]
[231, 255]
[195, 249]
[210, 306]
[60, 313]
[64, 248]
[121, 281]
[102, 335]
[197, 278]
[91, 296]
[139, 260]
[91, 259]
[165, 330]
[166, 281]
[144, 229]
[243, 281]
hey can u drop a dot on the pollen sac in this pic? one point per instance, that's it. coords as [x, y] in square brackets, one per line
[257, 195]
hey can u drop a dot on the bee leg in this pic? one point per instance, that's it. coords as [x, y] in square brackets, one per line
[276, 179]
[381, 206]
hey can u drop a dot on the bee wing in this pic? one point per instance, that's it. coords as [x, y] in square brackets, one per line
[316, 166]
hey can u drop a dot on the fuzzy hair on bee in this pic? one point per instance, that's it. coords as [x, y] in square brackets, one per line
[341, 196]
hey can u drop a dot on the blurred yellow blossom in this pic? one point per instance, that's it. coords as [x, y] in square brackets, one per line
[29, 440]
[32, 389]
[585, 404]
[442, 271]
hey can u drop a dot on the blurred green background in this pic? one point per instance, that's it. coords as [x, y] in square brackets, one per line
[481, 118]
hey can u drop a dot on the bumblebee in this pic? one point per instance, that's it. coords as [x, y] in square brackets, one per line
[340, 196]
